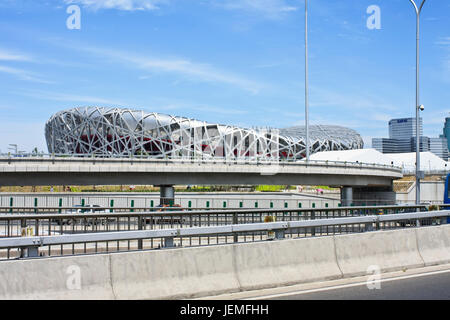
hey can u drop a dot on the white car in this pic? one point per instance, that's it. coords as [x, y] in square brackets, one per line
[80, 210]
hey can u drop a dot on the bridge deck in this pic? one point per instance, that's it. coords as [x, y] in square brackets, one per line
[111, 171]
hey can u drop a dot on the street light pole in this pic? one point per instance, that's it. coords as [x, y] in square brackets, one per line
[306, 82]
[418, 176]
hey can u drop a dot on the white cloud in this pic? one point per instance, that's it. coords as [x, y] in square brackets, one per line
[127, 5]
[189, 70]
[268, 8]
[361, 101]
[181, 66]
[23, 74]
[13, 56]
[217, 110]
[54, 96]
[444, 41]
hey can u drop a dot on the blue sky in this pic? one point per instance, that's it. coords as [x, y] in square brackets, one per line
[228, 61]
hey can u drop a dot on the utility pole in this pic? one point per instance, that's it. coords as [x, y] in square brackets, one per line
[306, 82]
[418, 107]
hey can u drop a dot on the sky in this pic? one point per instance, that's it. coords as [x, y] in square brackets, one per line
[239, 62]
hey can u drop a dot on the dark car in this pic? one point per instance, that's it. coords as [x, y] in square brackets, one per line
[166, 220]
[80, 210]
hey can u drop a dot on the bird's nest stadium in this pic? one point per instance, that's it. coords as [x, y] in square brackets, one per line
[110, 132]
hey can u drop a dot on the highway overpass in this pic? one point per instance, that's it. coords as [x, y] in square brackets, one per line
[32, 171]
[113, 171]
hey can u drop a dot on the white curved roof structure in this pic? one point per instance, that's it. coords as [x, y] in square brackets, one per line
[360, 155]
[118, 131]
[429, 162]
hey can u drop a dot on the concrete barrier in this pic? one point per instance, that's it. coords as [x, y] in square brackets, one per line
[82, 277]
[434, 244]
[205, 271]
[269, 264]
[174, 273]
[388, 250]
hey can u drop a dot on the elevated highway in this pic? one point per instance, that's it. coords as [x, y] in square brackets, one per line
[360, 181]
[32, 171]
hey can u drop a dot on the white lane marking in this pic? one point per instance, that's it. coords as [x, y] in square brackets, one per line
[346, 285]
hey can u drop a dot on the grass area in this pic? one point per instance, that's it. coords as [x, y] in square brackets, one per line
[324, 188]
[127, 188]
[267, 188]
[150, 188]
[403, 184]
[80, 189]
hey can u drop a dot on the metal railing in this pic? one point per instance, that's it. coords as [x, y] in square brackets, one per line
[58, 220]
[31, 203]
[411, 170]
[34, 246]
[51, 225]
[193, 159]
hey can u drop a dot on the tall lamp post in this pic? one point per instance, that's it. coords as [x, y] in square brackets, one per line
[418, 107]
[306, 82]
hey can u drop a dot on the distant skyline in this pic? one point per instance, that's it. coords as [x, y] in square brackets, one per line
[237, 62]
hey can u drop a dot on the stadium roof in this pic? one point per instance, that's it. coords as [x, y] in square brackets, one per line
[110, 131]
[320, 132]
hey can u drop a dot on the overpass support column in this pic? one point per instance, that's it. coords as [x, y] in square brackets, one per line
[346, 196]
[166, 195]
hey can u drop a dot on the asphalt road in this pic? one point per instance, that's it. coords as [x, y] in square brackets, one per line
[433, 285]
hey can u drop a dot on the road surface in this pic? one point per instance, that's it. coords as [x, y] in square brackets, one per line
[422, 283]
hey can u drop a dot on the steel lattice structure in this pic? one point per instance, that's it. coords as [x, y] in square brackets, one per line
[117, 132]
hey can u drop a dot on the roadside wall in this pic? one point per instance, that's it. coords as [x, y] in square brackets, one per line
[430, 191]
[204, 271]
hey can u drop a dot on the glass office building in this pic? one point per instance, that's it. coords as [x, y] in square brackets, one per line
[439, 146]
[385, 145]
[402, 138]
[404, 128]
[447, 131]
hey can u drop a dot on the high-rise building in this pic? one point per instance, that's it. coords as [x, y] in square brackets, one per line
[439, 146]
[402, 139]
[404, 128]
[424, 144]
[447, 131]
[385, 145]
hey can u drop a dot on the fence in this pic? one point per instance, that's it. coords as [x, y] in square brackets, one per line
[30, 246]
[50, 225]
[29, 201]
[193, 159]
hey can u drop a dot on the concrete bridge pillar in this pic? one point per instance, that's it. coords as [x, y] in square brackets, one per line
[166, 195]
[346, 196]
[374, 196]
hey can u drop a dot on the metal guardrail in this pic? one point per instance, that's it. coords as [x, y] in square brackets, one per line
[411, 170]
[65, 209]
[29, 246]
[176, 159]
[196, 211]
[63, 220]
[147, 234]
